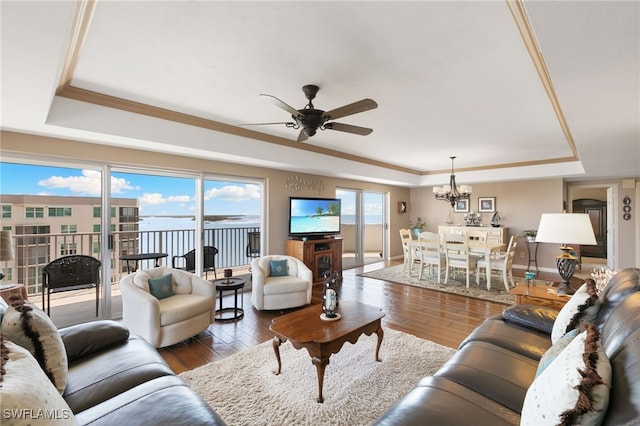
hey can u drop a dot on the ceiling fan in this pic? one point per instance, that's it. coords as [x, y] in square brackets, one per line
[309, 119]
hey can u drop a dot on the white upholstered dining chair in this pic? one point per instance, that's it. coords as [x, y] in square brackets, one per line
[429, 253]
[501, 263]
[457, 253]
[408, 250]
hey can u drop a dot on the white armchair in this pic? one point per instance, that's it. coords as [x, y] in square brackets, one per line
[167, 321]
[289, 289]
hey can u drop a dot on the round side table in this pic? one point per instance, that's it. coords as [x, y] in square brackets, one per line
[235, 284]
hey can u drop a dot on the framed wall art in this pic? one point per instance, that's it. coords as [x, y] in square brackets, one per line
[462, 206]
[486, 204]
[402, 206]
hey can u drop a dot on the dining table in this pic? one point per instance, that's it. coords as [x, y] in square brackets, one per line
[485, 249]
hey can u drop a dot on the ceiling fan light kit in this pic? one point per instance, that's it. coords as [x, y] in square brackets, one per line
[309, 119]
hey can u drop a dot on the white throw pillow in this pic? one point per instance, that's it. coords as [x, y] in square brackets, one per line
[28, 326]
[27, 395]
[574, 388]
[582, 308]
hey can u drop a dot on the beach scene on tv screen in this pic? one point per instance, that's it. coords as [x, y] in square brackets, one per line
[311, 216]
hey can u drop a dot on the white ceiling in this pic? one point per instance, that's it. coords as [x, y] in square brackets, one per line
[450, 78]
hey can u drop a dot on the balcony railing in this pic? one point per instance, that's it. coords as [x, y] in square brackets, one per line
[34, 251]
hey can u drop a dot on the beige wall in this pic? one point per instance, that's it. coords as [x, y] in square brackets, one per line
[277, 195]
[520, 205]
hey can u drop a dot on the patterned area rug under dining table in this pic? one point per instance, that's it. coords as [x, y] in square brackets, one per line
[457, 283]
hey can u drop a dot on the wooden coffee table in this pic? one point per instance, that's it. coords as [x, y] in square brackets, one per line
[305, 329]
[539, 295]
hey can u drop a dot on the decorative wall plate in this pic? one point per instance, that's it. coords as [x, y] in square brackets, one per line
[626, 200]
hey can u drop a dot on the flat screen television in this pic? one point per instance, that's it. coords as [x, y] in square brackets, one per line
[314, 217]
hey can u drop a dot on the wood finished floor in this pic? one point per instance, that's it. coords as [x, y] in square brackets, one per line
[440, 317]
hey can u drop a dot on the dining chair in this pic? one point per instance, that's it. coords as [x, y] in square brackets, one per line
[458, 255]
[429, 252]
[407, 249]
[501, 263]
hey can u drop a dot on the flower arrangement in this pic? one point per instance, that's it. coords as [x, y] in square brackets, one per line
[601, 277]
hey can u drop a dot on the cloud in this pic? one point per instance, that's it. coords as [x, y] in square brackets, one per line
[87, 184]
[156, 198]
[234, 193]
[178, 198]
[152, 199]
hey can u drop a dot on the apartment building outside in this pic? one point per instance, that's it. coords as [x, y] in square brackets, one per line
[48, 227]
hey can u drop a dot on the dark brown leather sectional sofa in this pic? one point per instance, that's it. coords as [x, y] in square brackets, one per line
[486, 381]
[118, 379]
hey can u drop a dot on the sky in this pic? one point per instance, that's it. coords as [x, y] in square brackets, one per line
[157, 195]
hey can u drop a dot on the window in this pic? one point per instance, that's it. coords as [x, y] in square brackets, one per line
[34, 212]
[59, 211]
[6, 212]
[96, 228]
[96, 247]
[97, 210]
[68, 229]
[67, 249]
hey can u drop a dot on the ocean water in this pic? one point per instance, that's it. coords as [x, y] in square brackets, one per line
[300, 224]
[163, 223]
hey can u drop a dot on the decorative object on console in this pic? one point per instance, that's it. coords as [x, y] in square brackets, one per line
[450, 193]
[473, 219]
[486, 204]
[6, 249]
[330, 296]
[495, 220]
[563, 228]
[530, 235]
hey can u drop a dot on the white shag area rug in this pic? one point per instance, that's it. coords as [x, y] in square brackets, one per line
[244, 390]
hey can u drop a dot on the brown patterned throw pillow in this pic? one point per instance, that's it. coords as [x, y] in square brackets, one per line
[28, 326]
[581, 309]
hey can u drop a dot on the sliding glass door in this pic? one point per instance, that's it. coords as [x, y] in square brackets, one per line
[363, 226]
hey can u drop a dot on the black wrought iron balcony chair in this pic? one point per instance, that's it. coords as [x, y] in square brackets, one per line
[74, 272]
[187, 261]
[253, 244]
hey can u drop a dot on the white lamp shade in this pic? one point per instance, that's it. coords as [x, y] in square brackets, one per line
[6, 246]
[566, 228]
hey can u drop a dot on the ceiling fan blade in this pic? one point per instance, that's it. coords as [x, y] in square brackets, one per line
[341, 127]
[277, 102]
[354, 108]
[287, 123]
[302, 136]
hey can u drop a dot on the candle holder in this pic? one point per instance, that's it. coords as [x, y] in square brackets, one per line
[228, 273]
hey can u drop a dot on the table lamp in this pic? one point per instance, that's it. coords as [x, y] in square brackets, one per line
[563, 228]
[6, 249]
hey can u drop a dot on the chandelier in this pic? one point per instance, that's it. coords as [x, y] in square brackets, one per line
[450, 192]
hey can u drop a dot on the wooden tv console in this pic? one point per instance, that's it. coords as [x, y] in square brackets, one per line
[319, 255]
